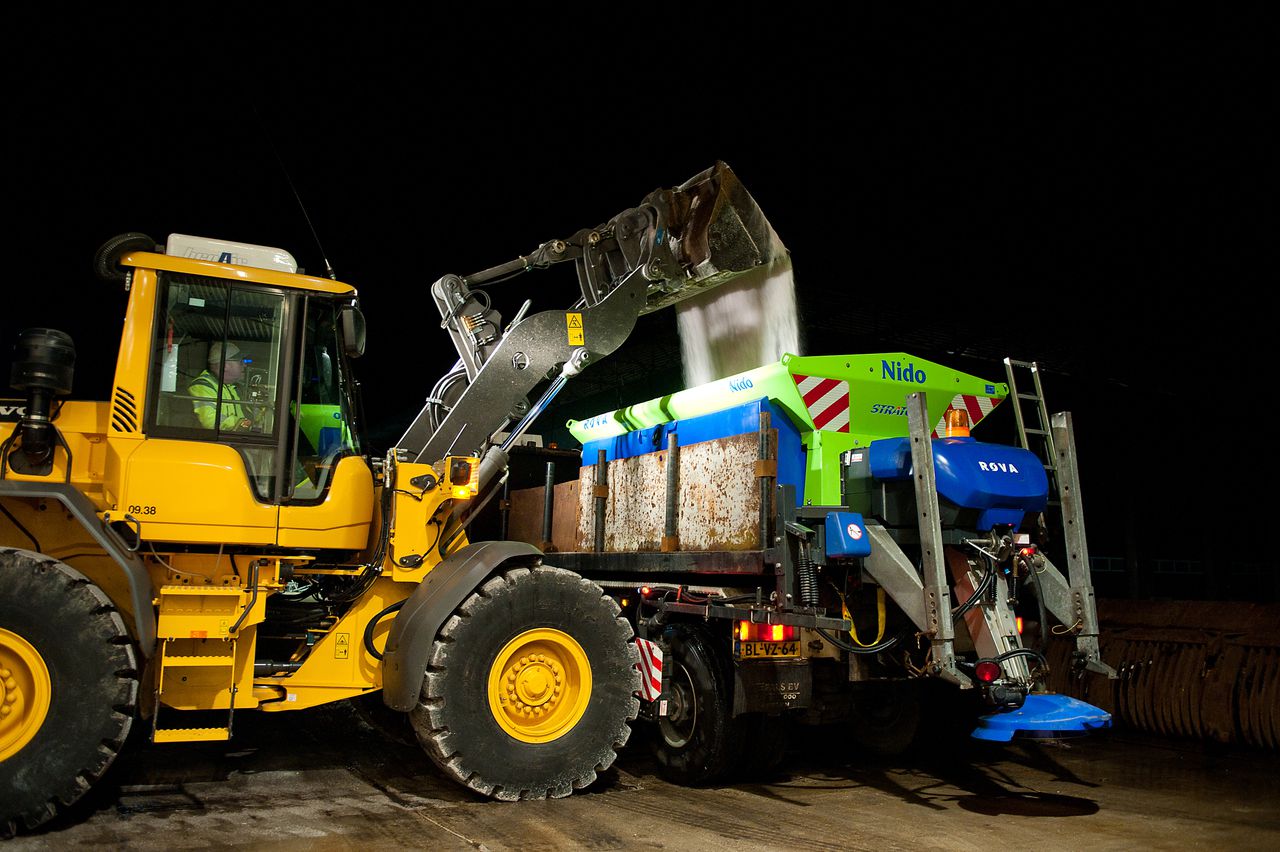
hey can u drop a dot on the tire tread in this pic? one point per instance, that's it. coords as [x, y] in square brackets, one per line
[430, 718]
[99, 621]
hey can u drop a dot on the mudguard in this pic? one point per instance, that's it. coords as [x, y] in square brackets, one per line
[426, 610]
[78, 505]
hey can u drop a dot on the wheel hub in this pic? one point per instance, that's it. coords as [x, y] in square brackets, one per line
[25, 692]
[539, 685]
[535, 682]
[678, 725]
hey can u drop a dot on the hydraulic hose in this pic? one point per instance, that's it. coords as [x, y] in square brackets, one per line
[373, 624]
[1022, 652]
[853, 649]
[984, 585]
[1044, 613]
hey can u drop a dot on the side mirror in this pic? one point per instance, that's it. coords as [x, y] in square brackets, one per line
[353, 331]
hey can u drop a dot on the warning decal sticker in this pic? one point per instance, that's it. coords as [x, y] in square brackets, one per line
[577, 337]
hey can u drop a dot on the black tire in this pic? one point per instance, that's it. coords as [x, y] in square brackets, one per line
[390, 724]
[698, 740]
[106, 260]
[453, 719]
[93, 678]
[886, 717]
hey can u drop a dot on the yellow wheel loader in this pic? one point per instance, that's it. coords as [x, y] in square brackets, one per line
[216, 537]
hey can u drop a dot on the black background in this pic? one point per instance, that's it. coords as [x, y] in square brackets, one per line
[1089, 194]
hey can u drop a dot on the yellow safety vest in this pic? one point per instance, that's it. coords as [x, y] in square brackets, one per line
[206, 387]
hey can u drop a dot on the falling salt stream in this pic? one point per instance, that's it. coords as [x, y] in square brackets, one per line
[741, 325]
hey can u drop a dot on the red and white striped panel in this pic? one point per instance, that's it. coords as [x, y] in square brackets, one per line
[977, 408]
[650, 669]
[827, 401]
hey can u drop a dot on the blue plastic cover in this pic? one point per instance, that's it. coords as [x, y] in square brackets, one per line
[708, 427]
[1044, 717]
[847, 535]
[1006, 482]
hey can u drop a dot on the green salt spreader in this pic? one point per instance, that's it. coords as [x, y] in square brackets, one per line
[837, 402]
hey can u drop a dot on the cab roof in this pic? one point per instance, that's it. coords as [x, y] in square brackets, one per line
[214, 269]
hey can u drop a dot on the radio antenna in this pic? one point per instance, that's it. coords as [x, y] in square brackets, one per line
[305, 215]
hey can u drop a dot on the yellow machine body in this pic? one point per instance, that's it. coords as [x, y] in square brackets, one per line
[186, 495]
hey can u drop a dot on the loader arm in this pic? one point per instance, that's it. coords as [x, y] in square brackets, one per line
[676, 243]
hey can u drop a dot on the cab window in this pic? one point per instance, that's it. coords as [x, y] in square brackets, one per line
[323, 408]
[216, 369]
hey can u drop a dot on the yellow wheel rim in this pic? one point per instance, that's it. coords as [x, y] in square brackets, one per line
[25, 692]
[539, 685]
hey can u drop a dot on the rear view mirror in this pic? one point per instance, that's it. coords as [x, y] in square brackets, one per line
[353, 331]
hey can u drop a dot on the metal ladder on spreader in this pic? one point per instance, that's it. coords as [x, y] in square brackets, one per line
[1044, 447]
[1072, 602]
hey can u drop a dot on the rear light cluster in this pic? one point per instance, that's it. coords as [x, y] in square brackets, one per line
[749, 632]
[987, 671]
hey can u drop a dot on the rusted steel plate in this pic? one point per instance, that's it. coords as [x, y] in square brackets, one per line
[1220, 694]
[564, 523]
[524, 523]
[718, 503]
[1209, 670]
[1268, 700]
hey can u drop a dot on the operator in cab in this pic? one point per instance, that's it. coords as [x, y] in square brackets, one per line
[236, 416]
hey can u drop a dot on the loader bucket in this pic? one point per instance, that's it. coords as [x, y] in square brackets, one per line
[717, 231]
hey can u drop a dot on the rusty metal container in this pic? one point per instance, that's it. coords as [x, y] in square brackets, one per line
[717, 498]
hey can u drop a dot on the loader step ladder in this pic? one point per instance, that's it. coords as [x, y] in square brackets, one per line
[1040, 432]
[197, 656]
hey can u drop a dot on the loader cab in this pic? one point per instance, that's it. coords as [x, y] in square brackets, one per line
[250, 429]
[259, 369]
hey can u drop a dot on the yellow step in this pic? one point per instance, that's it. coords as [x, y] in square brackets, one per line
[230, 591]
[171, 661]
[190, 735]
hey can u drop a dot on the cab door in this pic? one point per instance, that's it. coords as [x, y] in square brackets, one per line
[209, 469]
[329, 500]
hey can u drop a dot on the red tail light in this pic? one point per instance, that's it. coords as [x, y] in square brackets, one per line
[749, 632]
[987, 671]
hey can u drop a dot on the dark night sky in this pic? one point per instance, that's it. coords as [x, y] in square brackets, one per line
[1091, 201]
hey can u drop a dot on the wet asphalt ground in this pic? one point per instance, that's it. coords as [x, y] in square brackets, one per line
[328, 779]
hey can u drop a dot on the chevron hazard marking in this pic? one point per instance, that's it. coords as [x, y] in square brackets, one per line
[650, 669]
[827, 401]
[977, 407]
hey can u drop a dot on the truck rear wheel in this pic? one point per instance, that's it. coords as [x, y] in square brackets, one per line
[698, 740]
[529, 687]
[68, 686]
[886, 717]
